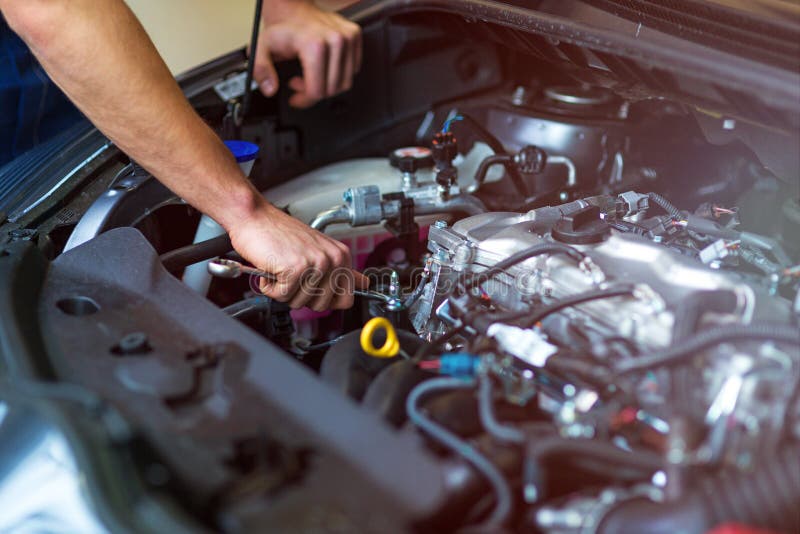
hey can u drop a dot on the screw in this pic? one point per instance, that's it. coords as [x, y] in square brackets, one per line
[394, 285]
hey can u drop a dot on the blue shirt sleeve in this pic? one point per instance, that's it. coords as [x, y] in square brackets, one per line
[32, 108]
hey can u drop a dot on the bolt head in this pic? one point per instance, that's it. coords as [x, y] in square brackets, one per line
[440, 224]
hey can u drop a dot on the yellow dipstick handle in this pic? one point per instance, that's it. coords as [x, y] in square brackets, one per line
[390, 348]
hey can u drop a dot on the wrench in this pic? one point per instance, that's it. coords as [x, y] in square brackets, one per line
[224, 268]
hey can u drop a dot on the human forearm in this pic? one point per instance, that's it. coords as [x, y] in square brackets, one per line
[98, 53]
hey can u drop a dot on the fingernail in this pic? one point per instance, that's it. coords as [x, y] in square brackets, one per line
[268, 87]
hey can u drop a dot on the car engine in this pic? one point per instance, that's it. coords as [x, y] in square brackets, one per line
[596, 360]
[583, 312]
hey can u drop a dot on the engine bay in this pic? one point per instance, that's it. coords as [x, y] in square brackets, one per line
[583, 315]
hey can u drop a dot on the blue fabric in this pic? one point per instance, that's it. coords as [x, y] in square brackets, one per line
[32, 108]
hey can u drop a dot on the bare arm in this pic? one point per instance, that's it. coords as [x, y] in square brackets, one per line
[101, 57]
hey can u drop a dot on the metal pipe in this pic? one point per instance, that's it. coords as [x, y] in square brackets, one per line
[463, 204]
[459, 204]
[572, 173]
[339, 214]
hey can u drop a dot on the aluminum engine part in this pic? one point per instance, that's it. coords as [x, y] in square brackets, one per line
[663, 277]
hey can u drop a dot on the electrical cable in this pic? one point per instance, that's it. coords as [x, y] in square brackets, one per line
[665, 204]
[575, 300]
[502, 509]
[531, 317]
[519, 257]
[686, 349]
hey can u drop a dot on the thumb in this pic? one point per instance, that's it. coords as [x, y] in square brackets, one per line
[361, 281]
[264, 71]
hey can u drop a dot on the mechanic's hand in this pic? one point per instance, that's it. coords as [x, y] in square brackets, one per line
[311, 268]
[329, 48]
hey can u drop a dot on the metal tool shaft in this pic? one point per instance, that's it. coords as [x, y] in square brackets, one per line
[224, 268]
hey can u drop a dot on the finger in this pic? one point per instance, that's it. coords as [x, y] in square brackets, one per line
[314, 59]
[307, 292]
[358, 50]
[361, 281]
[287, 281]
[297, 84]
[342, 284]
[328, 294]
[344, 258]
[348, 64]
[337, 56]
[282, 292]
[264, 70]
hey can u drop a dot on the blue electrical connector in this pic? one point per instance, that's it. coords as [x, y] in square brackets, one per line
[459, 364]
[449, 122]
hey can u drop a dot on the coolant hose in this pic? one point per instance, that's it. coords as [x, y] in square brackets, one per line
[766, 498]
[178, 259]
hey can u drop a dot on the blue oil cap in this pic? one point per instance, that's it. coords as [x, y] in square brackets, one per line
[242, 150]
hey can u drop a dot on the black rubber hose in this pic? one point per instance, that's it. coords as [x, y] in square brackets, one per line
[575, 300]
[681, 351]
[498, 148]
[530, 317]
[178, 259]
[487, 163]
[248, 307]
[519, 257]
[765, 498]
[664, 204]
[539, 452]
